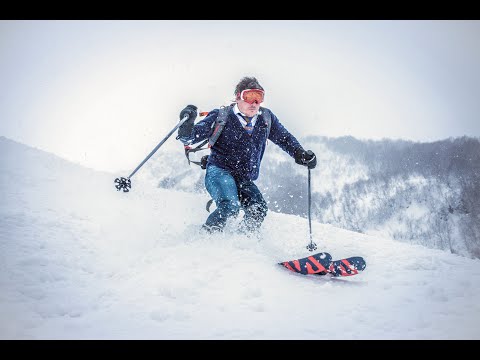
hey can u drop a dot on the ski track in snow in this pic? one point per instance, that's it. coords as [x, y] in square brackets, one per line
[80, 260]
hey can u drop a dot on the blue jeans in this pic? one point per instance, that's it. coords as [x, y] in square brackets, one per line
[230, 195]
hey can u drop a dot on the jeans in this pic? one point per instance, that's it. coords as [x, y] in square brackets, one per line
[231, 195]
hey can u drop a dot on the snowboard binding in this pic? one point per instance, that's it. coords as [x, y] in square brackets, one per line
[123, 184]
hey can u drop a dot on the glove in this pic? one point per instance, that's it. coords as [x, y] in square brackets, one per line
[191, 111]
[186, 128]
[306, 158]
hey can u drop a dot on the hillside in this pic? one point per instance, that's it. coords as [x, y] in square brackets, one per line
[80, 260]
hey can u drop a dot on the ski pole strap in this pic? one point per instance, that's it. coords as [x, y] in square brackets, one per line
[219, 124]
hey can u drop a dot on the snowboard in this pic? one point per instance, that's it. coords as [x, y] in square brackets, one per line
[322, 264]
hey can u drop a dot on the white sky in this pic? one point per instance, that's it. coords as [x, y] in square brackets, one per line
[79, 260]
[104, 93]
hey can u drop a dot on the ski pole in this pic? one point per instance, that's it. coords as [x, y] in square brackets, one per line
[125, 183]
[312, 246]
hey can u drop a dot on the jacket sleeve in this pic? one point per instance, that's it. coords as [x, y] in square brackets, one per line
[201, 130]
[281, 137]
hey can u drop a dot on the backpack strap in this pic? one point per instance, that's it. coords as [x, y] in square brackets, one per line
[219, 124]
[267, 116]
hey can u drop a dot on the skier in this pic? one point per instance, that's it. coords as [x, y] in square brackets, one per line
[234, 162]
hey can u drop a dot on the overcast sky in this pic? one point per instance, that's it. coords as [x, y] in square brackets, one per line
[104, 93]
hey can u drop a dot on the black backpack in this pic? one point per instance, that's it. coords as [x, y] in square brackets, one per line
[217, 130]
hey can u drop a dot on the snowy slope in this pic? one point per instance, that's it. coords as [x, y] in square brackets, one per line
[79, 260]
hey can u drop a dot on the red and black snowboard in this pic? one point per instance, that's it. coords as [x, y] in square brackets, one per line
[322, 264]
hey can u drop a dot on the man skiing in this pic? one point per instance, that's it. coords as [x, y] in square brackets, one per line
[234, 162]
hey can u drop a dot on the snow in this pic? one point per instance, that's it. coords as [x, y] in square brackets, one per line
[80, 260]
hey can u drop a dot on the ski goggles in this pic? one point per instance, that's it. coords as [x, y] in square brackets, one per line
[252, 95]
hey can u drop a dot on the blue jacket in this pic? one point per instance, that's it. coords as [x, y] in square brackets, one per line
[235, 150]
